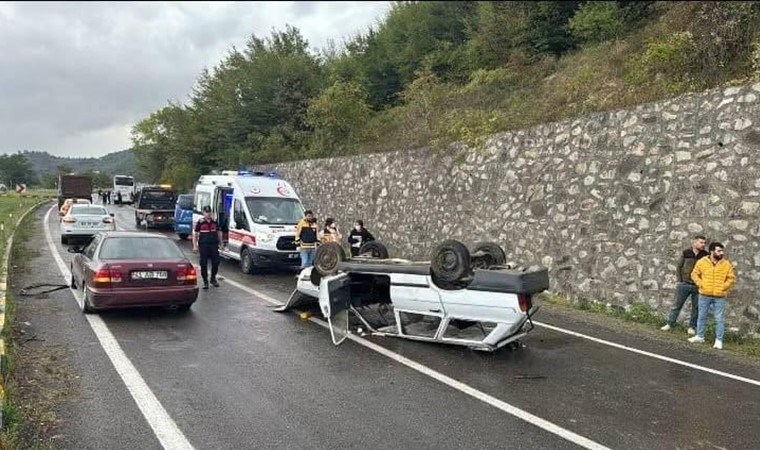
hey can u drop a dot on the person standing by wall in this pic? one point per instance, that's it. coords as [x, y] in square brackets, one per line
[358, 236]
[306, 238]
[714, 276]
[686, 287]
[206, 240]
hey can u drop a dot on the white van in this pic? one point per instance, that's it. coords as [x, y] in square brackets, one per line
[257, 213]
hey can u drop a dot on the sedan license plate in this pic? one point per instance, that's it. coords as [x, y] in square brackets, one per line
[150, 275]
[88, 224]
[293, 255]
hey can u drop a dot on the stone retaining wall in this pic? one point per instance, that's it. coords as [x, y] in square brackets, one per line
[606, 201]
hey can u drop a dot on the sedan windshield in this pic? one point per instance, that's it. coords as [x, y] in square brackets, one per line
[89, 211]
[274, 211]
[139, 248]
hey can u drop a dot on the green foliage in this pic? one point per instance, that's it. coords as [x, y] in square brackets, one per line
[337, 116]
[16, 168]
[432, 73]
[596, 22]
[755, 60]
[668, 59]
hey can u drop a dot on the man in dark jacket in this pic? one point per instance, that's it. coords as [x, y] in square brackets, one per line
[358, 237]
[686, 287]
[207, 239]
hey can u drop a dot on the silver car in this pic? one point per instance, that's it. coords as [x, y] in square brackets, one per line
[82, 221]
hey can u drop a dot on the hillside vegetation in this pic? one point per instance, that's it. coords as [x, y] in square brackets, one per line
[41, 169]
[431, 73]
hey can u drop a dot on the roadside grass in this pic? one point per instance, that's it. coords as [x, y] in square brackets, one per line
[643, 316]
[9, 435]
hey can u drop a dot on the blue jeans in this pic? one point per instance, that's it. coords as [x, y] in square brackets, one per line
[307, 257]
[684, 291]
[719, 306]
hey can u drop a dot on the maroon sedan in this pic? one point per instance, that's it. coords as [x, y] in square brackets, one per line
[133, 269]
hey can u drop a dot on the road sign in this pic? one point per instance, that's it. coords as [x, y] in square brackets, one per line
[20, 188]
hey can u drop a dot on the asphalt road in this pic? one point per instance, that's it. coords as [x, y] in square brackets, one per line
[234, 374]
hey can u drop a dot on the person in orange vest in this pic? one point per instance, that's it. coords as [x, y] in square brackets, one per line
[714, 276]
[330, 232]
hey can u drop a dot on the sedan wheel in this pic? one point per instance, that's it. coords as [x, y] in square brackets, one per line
[86, 308]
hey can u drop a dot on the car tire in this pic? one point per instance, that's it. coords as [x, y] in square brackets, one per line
[327, 257]
[183, 236]
[315, 277]
[450, 262]
[64, 240]
[86, 307]
[492, 255]
[184, 308]
[246, 261]
[73, 284]
[375, 249]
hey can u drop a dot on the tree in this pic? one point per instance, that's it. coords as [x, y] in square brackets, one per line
[596, 22]
[338, 116]
[16, 168]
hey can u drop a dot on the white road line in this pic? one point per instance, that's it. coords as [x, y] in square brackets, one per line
[458, 385]
[167, 432]
[650, 354]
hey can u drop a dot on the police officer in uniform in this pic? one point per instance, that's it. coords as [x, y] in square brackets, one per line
[206, 239]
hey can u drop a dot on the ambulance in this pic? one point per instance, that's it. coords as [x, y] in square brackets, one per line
[257, 213]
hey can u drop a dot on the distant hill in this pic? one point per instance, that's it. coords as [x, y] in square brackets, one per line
[122, 162]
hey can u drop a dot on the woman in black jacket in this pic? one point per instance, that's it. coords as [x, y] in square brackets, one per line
[358, 236]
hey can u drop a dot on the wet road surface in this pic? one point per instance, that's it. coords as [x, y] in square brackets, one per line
[234, 374]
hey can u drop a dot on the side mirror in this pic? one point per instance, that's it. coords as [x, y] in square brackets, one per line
[112, 215]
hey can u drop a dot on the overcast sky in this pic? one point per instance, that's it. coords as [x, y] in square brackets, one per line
[75, 77]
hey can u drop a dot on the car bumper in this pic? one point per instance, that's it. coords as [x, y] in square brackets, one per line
[275, 258]
[74, 234]
[115, 298]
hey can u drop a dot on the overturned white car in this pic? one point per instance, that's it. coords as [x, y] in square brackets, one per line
[460, 297]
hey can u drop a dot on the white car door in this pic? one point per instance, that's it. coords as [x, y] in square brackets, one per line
[417, 305]
[334, 301]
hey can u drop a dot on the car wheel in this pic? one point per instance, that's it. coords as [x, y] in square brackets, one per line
[64, 240]
[86, 307]
[246, 261]
[183, 308]
[315, 277]
[487, 254]
[73, 282]
[451, 261]
[327, 257]
[183, 236]
[375, 249]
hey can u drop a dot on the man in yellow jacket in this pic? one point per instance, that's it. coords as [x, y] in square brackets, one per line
[714, 276]
[306, 238]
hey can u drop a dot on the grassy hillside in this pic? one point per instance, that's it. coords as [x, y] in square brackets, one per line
[122, 162]
[436, 72]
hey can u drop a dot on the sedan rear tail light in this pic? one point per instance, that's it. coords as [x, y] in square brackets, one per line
[187, 273]
[525, 302]
[107, 276]
[69, 220]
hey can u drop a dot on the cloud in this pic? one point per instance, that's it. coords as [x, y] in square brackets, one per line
[75, 76]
